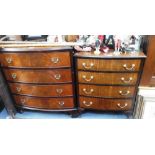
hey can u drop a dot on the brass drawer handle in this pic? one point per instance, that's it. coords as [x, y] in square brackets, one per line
[129, 68]
[57, 76]
[124, 93]
[55, 60]
[61, 103]
[9, 60]
[127, 81]
[18, 89]
[14, 76]
[119, 105]
[87, 103]
[22, 101]
[88, 92]
[59, 91]
[88, 80]
[86, 66]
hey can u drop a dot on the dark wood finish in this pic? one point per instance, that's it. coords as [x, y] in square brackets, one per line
[106, 91]
[42, 90]
[152, 82]
[105, 104]
[109, 65]
[110, 81]
[38, 76]
[44, 103]
[37, 60]
[108, 78]
[149, 67]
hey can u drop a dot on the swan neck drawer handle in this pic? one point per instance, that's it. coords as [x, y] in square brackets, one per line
[87, 66]
[124, 93]
[61, 103]
[87, 103]
[120, 106]
[59, 91]
[14, 76]
[88, 92]
[88, 80]
[18, 89]
[55, 60]
[129, 68]
[127, 81]
[9, 60]
[23, 101]
[57, 76]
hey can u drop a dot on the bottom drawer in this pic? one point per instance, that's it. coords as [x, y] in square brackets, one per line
[105, 104]
[44, 103]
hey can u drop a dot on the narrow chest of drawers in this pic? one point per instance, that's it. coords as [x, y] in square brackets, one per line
[40, 78]
[108, 82]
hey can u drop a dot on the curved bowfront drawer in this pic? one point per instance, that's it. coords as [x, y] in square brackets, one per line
[106, 91]
[44, 103]
[37, 60]
[38, 76]
[109, 65]
[107, 78]
[42, 90]
[105, 104]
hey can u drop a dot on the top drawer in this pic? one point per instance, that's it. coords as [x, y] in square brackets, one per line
[37, 60]
[109, 65]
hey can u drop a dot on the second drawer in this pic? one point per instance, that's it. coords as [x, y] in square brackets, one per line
[42, 90]
[38, 76]
[106, 91]
[108, 78]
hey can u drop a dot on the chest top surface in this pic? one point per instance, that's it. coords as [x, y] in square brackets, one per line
[35, 49]
[110, 55]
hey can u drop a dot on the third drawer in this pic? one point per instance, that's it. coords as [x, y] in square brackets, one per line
[106, 91]
[42, 90]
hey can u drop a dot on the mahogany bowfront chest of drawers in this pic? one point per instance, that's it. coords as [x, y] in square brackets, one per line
[107, 81]
[56, 79]
[40, 78]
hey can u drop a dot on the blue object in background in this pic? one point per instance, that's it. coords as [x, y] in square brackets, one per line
[51, 115]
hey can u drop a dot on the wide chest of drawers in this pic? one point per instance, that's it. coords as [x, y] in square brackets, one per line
[40, 78]
[107, 81]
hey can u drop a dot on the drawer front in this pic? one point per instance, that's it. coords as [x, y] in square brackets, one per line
[108, 78]
[105, 104]
[42, 90]
[109, 65]
[38, 76]
[44, 103]
[106, 91]
[45, 59]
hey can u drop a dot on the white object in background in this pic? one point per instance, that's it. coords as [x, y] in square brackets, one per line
[149, 110]
[60, 38]
[148, 94]
[51, 38]
[55, 38]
